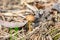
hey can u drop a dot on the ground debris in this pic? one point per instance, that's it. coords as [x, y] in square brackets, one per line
[29, 20]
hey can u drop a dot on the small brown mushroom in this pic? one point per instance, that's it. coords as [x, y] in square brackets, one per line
[30, 19]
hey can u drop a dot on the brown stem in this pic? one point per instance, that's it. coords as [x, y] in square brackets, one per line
[29, 25]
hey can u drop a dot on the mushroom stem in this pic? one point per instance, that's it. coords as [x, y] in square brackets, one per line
[29, 25]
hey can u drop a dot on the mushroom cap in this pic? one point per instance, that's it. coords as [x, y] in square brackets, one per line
[30, 18]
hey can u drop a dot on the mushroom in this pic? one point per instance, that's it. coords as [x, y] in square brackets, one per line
[30, 19]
